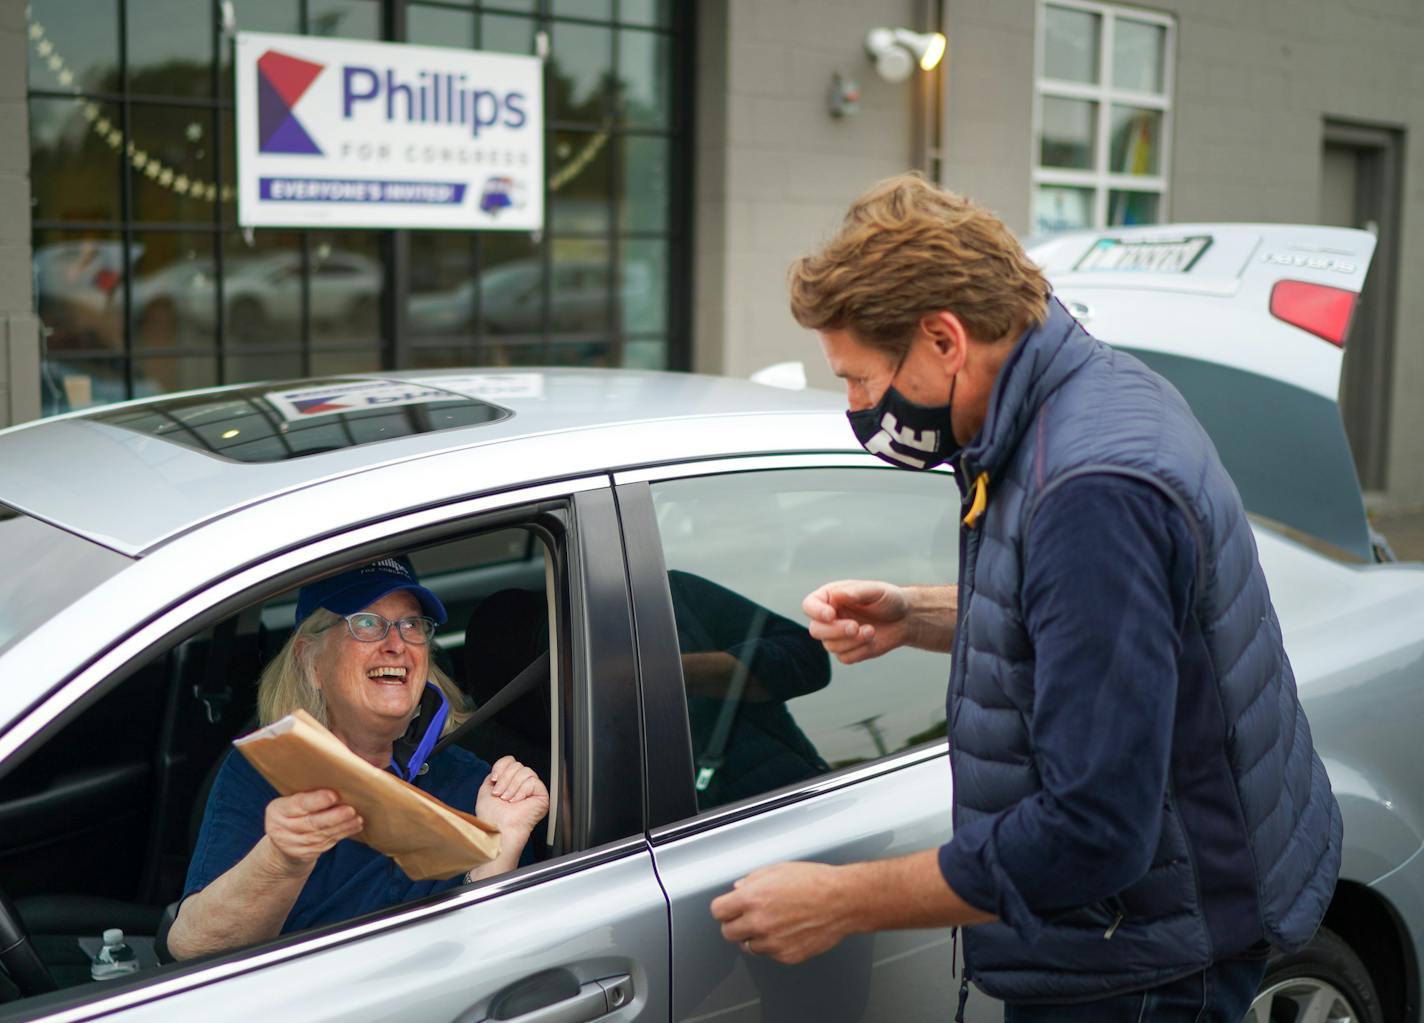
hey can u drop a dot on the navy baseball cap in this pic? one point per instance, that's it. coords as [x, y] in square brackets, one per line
[359, 588]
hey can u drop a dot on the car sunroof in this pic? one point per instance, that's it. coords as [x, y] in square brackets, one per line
[275, 422]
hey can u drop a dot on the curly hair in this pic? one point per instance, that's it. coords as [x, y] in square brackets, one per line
[908, 248]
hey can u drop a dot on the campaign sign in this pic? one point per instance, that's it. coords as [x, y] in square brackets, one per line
[336, 133]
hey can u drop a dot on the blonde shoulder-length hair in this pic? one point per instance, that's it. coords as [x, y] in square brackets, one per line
[289, 682]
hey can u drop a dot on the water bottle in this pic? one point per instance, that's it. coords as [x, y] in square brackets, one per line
[115, 959]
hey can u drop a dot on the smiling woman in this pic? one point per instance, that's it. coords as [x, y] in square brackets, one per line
[359, 661]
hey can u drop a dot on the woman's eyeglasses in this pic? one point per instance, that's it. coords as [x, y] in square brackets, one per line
[369, 627]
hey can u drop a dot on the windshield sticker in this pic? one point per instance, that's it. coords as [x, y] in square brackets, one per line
[312, 402]
[1149, 255]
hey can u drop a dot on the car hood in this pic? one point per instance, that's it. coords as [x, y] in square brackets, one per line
[1250, 322]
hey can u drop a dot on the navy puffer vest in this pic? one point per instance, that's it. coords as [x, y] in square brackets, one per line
[1066, 405]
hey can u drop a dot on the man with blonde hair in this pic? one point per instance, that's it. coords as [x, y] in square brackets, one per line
[1139, 814]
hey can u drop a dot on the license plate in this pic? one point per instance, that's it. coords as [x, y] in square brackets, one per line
[1148, 255]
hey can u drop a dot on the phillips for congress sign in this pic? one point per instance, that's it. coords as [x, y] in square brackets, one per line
[337, 133]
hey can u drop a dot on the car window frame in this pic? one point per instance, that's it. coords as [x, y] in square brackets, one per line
[596, 619]
[672, 805]
[227, 594]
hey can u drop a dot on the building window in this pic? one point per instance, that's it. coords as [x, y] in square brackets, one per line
[145, 283]
[1102, 116]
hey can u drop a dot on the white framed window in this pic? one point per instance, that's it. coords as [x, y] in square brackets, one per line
[1102, 118]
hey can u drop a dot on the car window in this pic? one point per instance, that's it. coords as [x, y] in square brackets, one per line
[102, 823]
[43, 570]
[766, 706]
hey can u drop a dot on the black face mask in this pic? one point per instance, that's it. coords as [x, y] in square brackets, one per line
[906, 434]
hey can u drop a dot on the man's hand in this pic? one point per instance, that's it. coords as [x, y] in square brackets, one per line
[793, 911]
[304, 825]
[857, 619]
[788, 912]
[512, 798]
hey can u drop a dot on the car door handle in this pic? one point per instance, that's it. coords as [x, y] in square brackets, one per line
[527, 1001]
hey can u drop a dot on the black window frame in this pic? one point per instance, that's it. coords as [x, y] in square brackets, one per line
[396, 347]
[673, 811]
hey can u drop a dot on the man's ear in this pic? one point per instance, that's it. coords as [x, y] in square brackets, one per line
[949, 337]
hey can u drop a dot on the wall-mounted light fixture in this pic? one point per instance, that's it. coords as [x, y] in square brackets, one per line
[896, 51]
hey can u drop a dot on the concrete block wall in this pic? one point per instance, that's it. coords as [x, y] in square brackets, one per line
[988, 105]
[1255, 85]
[774, 170]
[19, 330]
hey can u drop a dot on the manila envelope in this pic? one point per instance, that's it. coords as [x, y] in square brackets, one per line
[424, 836]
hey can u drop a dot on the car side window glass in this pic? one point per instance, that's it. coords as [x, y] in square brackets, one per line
[767, 707]
[104, 820]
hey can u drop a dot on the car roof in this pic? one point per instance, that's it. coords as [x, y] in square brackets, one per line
[131, 490]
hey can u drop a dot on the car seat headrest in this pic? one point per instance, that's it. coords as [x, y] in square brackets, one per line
[505, 632]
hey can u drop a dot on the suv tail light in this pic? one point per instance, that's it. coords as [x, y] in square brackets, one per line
[1318, 308]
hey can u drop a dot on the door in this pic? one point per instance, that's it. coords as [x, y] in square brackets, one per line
[551, 939]
[786, 755]
[1359, 187]
[580, 933]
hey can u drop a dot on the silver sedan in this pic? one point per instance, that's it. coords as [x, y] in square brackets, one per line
[653, 535]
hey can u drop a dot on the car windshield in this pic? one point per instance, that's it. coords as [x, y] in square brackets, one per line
[42, 571]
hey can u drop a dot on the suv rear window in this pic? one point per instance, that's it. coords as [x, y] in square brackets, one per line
[42, 571]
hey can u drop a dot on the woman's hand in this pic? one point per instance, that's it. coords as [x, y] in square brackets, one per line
[512, 798]
[302, 826]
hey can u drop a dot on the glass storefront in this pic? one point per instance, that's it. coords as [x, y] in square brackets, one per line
[145, 283]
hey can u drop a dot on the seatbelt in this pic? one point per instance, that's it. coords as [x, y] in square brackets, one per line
[533, 674]
[713, 757]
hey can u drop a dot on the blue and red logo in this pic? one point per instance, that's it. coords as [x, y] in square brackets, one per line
[501, 193]
[281, 82]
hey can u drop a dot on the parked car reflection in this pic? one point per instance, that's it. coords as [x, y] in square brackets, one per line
[509, 299]
[78, 294]
[264, 295]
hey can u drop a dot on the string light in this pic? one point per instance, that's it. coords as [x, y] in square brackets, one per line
[208, 191]
[576, 166]
[148, 165]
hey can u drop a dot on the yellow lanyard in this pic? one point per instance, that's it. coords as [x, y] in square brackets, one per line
[980, 502]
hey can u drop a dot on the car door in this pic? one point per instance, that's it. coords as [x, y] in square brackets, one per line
[580, 935]
[798, 758]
